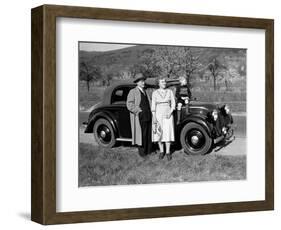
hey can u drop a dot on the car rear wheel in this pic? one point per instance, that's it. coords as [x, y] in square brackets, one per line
[195, 140]
[104, 133]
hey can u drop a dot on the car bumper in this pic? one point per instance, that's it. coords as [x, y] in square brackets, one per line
[228, 136]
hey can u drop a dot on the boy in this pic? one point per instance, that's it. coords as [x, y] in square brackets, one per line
[183, 96]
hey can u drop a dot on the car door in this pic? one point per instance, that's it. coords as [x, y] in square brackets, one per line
[121, 113]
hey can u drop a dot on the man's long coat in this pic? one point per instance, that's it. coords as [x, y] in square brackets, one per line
[133, 105]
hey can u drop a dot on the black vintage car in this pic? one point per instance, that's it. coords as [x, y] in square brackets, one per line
[201, 127]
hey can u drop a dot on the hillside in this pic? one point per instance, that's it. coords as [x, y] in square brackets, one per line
[109, 66]
[129, 56]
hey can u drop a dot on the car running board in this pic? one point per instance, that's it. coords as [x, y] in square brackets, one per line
[124, 139]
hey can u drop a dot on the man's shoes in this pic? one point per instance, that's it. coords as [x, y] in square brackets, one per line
[154, 152]
[169, 157]
[141, 152]
[161, 155]
[145, 157]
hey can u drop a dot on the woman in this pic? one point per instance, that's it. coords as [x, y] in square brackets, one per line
[162, 107]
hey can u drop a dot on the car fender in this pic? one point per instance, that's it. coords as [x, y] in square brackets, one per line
[201, 120]
[106, 115]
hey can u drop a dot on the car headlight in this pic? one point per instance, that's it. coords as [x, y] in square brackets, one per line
[227, 109]
[215, 115]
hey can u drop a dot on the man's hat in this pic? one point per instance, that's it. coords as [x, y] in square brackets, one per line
[138, 77]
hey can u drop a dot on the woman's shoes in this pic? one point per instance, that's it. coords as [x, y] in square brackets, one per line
[169, 156]
[162, 154]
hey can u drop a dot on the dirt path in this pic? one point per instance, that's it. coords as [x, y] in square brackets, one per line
[237, 147]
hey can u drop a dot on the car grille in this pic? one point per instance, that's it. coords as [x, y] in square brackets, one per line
[221, 122]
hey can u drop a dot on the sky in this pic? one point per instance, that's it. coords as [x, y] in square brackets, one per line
[92, 46]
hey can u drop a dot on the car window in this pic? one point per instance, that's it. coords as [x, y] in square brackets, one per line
[119, 95]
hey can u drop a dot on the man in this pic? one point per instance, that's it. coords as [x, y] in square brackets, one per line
[138, 103]
[183, 96]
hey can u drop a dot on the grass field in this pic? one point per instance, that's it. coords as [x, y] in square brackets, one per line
[88, 99]
[122, 165]
[236, 100]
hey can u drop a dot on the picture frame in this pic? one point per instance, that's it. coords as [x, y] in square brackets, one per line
[43, 158]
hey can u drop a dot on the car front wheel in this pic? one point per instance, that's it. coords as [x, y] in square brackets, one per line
[104, 133]
[195, 140]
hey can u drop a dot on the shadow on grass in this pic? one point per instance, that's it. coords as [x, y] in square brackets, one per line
[122, 165]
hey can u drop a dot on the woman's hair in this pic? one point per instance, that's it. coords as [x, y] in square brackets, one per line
[159, 79]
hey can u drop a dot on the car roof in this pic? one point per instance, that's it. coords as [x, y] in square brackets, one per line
[150, 82]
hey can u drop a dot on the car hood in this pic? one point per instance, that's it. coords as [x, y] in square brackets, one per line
[194, 105]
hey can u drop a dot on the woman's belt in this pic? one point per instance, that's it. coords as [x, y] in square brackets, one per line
[163, 102]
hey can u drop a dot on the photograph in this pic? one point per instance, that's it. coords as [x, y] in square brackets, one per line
[175, 109]
[161, 114]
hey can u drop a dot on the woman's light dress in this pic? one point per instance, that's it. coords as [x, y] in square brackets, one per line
[163, 101]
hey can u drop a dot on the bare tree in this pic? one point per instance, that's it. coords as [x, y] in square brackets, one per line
[177, 61]
[147, 64]
[108, 77]
[109, 73]
[85, 74]
[217, 69]
[134, 69]
[168, 61]
[189, 63]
